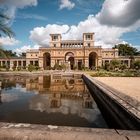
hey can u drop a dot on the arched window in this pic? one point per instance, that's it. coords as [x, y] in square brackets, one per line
[47, 61]
[92, 60]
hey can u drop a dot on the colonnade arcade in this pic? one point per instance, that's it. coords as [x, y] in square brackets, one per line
[12, 63]
[71, 60]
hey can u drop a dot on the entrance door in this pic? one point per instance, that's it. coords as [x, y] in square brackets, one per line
[47, 61]
[69, 57]
[92, 60]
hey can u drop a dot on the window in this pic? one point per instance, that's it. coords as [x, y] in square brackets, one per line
[31, 62]
[57, 61]
[55, 38]
[106, 61]
[54, 45]
[88, 44]
[88, 37]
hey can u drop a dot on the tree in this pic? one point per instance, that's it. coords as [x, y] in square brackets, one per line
[126, 50]
[4, 29]
[23, 55]
[7, 53]
[2, 54]
[107, 66]
[137, 64]
[114, 64]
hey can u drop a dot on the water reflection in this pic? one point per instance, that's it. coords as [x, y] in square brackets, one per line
[48, 100]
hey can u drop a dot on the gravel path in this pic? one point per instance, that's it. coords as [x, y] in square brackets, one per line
[127, 85]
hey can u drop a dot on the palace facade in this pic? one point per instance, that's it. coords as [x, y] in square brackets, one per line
[69, 52]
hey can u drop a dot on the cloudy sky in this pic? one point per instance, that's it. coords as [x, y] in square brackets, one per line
[112, 21]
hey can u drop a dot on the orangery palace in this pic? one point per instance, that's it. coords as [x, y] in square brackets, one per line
[69, 52]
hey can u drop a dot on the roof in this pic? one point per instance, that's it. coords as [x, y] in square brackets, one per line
[71, 41]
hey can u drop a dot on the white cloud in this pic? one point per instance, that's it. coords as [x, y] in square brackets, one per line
[120, 13]
[137, 47]
[114, 19]
[66, 4]
[25, 48]
[31, 16]
[6, 41]
[19, 3]
[41, 35]
[104, 35]
[10, 6]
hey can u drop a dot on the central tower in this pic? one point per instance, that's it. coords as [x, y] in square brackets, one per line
[88, 40]
[55, 41]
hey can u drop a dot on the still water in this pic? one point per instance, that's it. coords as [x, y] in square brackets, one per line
[48, 100]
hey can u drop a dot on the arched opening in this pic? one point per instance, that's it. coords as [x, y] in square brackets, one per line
[69, 85]
[47, 61]
[46, 81]
[92, 60]
[69, 58]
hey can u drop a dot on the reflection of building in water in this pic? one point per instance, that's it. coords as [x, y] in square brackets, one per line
[55, 100]
[12, 81]
[46, 84]
[65, 104]
[32, 83]
[66, 96]
[60, 88]
[87, 101]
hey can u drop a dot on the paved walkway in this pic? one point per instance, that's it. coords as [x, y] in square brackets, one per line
[127, 85]
[44, 132]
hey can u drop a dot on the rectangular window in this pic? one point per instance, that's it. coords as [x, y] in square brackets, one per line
[31, 62]
[88, 44]
[54, 45]
[88, 37]
[55, 38]
[58, 61]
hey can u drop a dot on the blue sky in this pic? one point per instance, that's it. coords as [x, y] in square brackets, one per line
[33, 20]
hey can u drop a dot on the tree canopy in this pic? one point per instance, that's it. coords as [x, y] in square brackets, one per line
[4, 29]
[126, 50]
[7, 53]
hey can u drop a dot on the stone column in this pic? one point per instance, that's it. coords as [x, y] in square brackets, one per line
[33, 62]
[52, 63]
[96, 63]
[11, 65]
[103, 62]
[27, 63]
[21, 64]
[99, 62]
[2, 63]
[17, 64]
[86, 63]
[41, 63]
[76, 62]
[129, 63]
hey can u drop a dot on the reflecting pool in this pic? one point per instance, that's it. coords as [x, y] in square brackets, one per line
[49, 100]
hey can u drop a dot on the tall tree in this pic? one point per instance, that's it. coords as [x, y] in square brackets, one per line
[127, 50]
[4, 29]
[23, 54]
[7, 53]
